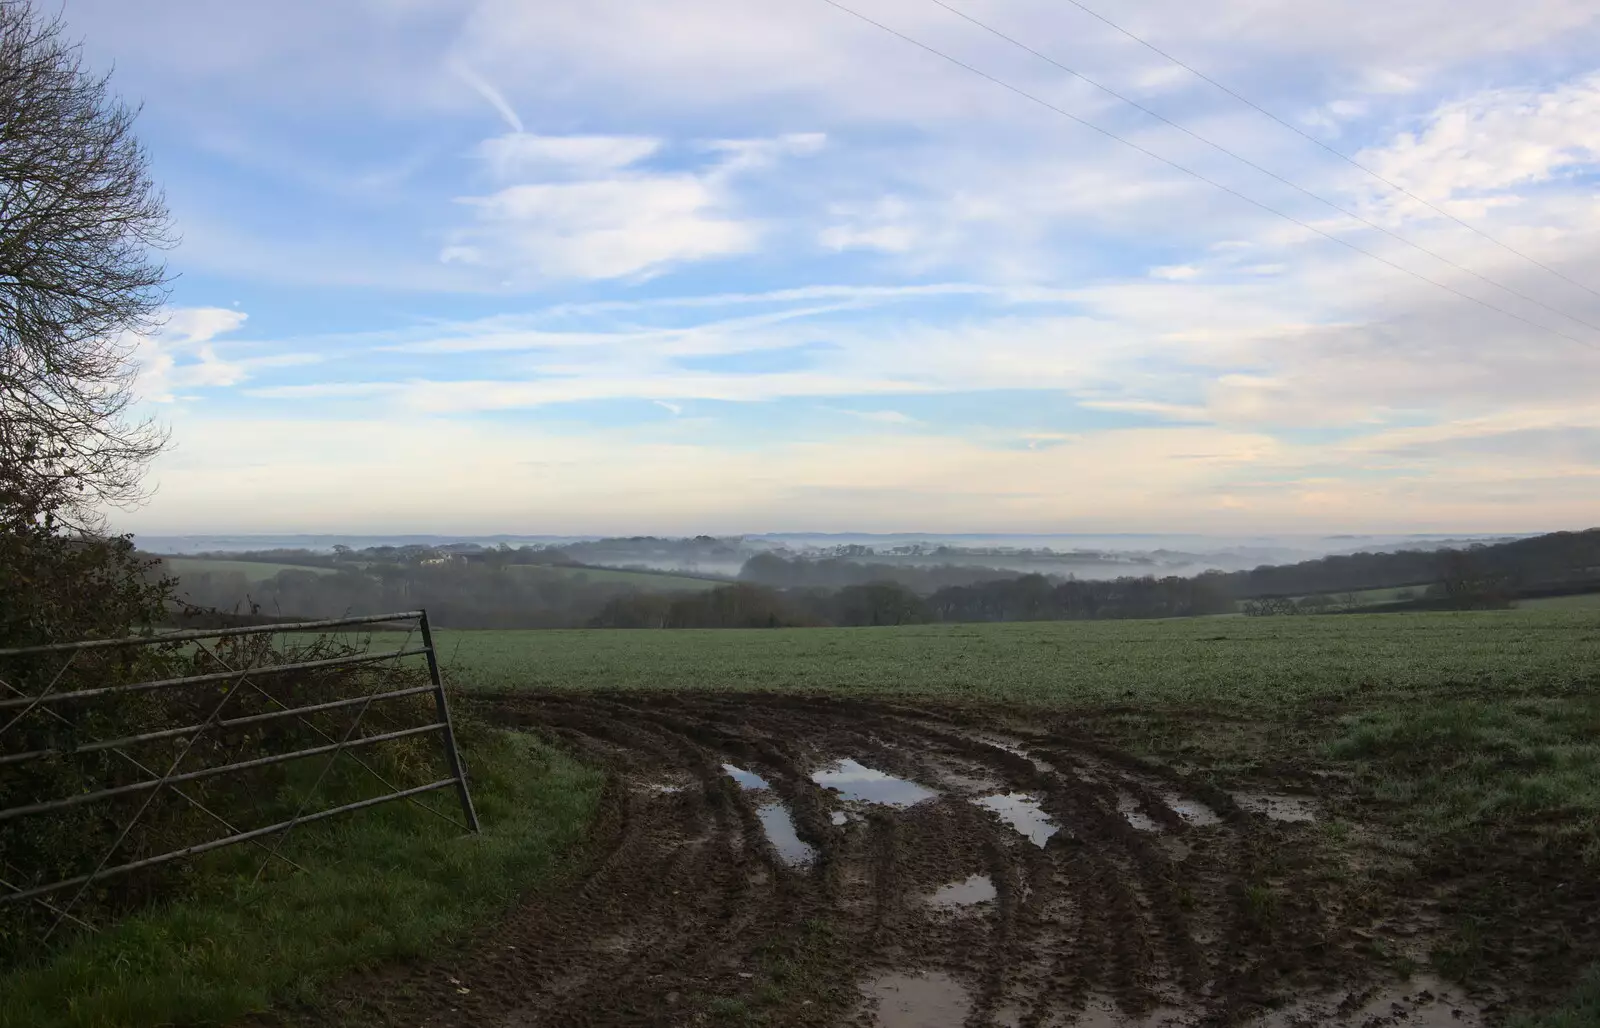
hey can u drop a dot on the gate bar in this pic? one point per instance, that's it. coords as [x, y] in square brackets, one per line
[236, 722]
[218, 676]
[443, 706]
[208, 772]
[208, 633]
[206, 847]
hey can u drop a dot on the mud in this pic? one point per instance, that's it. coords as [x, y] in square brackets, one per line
[976, 889]
[832, 862]
[1279, 807]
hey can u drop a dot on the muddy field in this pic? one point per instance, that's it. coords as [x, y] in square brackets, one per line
[767, 860]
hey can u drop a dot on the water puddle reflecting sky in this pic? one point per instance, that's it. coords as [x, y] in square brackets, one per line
[779, 826]
[855, 781]
[1192, 811]
[977, 889]
[1022, 812]
[927, 1000]
[746, 779]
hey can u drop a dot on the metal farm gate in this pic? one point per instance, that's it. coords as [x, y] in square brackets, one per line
[17, 705]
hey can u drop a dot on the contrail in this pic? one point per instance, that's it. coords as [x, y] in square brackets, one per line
[486, 90]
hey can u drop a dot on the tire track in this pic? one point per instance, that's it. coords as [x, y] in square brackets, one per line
[689, 913]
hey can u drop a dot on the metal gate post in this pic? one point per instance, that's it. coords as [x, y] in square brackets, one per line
[451, 754]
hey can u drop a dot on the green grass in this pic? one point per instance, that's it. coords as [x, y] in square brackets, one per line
[382, 884]
[647, 581]
[1456, 765]
[1247, 664]
[1582, 601]
[1366, 597]
[252, 571]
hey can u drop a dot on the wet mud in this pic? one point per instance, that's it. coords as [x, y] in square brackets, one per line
[772, 860]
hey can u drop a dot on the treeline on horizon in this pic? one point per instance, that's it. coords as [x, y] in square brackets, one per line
[543, 587]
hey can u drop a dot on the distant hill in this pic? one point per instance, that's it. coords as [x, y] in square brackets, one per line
[1561, 563]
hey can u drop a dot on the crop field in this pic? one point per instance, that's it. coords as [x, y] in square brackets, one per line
[252, 571]
[1365, 597]
[1263, 664]
[647, 581]
[1582, 601]
[1342, 820]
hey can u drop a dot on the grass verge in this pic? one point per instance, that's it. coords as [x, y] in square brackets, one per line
[382, 884]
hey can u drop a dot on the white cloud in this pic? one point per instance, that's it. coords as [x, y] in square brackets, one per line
[518, 154]
[601, 229]
[885, 224]
[703, 54]
[599, 218]
[183, 355]
[180, 355]
[882, 417]
[1496, 140]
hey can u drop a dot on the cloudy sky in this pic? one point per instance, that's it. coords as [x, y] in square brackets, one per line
[757, 265]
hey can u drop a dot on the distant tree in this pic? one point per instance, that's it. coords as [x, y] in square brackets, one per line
[79, 217]
[878, 603]
[1466, 583]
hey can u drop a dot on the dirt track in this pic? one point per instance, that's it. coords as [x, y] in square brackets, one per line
[1108, 891]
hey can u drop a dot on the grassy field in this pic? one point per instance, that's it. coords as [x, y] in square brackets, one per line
[384, 884]
[647, 581]
[1472, 733]
[1365, 597]
[252, 571]
[1247, 663]
[1465, 733]
[1583, 601]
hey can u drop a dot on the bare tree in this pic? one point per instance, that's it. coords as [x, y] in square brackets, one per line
[79, 218]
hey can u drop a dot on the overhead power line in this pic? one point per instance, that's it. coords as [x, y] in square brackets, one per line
[1265, 171]
[1202, 178]
[1297, 130]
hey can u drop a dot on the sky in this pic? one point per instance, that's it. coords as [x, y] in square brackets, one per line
[678, 266]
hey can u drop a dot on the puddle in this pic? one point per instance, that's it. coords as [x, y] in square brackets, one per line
[1192, 811]
[977, 889]
[779, 826]
[746, 779]
[927, 1000]
[1277, 806]
[839, 817]
[1128, 807]
[1177, 849]
[1422, 1002]
[1022, 812]
[662, 787]
[858, 782]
